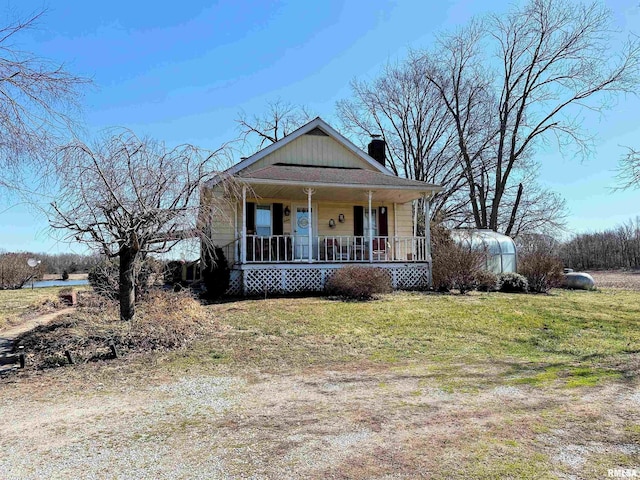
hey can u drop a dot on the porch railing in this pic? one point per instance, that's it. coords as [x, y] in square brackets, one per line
[330, 249]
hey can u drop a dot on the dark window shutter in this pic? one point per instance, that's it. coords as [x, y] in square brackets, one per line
[358, 221]
[383, 225]
[251, 217]
[277, 219]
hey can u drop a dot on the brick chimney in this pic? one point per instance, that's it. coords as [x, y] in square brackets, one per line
[377, 149]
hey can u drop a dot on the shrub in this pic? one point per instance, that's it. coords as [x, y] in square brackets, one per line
[455, 266]
[65, 275]
[216, 274]
[512, 282]
[167, 320]
[358, 283]
[543, 271]
[173, 272]
[486, 281]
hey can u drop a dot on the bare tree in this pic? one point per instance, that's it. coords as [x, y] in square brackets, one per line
[15, 272]
[38, 101]
[436, 114]
[554, 59]
[280, 119]
[629, 170]
[406, 109]
[129, 197]
[539, 210]
[464, 88]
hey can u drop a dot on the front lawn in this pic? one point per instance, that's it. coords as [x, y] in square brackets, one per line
[574, 335]
[483, 386]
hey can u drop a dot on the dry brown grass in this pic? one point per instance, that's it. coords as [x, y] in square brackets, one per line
[18, 305]
[623, 279]
[164, 321]
[355, 420]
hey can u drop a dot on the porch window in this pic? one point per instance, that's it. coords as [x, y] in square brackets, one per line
[374, 225]
[263, 220]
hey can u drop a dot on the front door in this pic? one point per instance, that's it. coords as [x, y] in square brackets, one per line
[301, 233]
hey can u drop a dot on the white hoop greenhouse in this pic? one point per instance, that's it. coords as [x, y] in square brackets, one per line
[501, 250]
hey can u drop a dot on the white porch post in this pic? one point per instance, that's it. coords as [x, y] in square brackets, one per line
[427, 227]
[309, 192]
[395, 232]
[370, 229]
[243, 244]
[415, 219]
[395, 220]
[235, 232]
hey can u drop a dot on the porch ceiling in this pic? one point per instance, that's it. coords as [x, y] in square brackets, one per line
[338, 194]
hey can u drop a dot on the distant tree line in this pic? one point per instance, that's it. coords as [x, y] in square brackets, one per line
[52, 263]
[69, 262]
[614, 248]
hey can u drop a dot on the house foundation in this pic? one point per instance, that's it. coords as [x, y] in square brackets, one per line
[257, 279]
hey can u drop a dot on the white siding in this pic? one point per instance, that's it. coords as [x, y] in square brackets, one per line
[405, 220]
[220, 212]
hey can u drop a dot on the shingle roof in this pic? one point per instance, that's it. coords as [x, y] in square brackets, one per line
[303, 174]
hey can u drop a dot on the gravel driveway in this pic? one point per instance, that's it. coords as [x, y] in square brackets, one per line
[356, 422]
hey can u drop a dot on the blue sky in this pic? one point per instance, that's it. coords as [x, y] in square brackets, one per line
[182, 74]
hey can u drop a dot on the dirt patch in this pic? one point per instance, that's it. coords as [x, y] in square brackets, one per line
[623, 279]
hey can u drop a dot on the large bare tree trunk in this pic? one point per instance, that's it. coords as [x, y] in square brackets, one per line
[127, 284]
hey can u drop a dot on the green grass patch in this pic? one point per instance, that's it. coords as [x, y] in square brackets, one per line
[570, 377]
[572, 337]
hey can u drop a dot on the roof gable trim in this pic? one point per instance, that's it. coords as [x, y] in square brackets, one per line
[316, 123]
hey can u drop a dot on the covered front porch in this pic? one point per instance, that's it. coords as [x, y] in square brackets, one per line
[293, 222]
[294, 213]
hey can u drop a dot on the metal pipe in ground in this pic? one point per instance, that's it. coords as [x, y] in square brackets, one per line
[21, 356]
[69, 356]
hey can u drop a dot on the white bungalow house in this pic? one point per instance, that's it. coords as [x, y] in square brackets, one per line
[312, 203]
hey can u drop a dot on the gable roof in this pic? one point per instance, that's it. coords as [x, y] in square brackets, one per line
[313, 124]
[333, 184]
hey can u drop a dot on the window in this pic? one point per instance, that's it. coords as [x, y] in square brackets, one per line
[374, 225]
[263, 220]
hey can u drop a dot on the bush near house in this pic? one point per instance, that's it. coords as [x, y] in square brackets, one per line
[486, 281]
[512, 283]
[543, 271]
[358, 283]
[216, 274]
[173, 273]
[455, 266]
